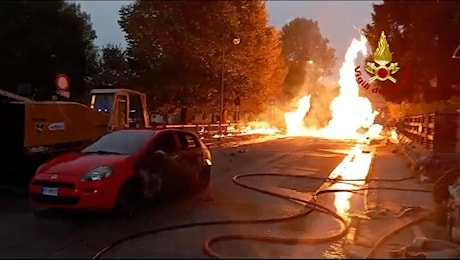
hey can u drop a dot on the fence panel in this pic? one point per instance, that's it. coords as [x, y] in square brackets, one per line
[437, 132]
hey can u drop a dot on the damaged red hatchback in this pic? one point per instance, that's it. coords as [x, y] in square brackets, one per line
[121, 169]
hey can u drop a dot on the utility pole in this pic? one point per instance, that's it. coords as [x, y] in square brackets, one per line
[222, 58]
[236, 41]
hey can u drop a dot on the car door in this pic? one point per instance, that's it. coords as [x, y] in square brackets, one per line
[161, 158]
[191, 153]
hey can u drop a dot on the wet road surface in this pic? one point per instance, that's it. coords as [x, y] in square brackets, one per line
[80, 235]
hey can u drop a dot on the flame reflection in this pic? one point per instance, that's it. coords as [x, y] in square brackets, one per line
[355, 167]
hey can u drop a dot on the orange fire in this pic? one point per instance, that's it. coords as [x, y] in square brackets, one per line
[350, 112]
[260, 127]
[354, 167]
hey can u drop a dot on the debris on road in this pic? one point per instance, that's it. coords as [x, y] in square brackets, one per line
[400, 217]
[422, 247]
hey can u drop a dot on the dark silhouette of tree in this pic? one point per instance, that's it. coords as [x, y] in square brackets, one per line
[41, 39]
[422, 35]
[113, 66]
[307, 55]
[175, 50]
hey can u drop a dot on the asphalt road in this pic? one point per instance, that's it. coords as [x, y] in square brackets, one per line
[80, 235]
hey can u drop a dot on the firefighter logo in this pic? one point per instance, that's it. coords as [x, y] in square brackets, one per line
[382, 68]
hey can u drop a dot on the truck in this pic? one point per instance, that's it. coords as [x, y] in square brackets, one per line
[35, 131]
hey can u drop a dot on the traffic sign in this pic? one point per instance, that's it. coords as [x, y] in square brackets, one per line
[271, 102]
[62, 82]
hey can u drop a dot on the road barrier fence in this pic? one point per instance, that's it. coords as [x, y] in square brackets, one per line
[432, 142]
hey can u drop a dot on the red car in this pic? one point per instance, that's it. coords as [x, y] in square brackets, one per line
[121, 169]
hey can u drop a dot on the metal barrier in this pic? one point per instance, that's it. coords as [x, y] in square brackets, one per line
[439, 135]
[436, 132]
[199, 128]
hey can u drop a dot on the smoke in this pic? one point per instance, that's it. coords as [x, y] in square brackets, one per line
[321, 96]
[319, 114]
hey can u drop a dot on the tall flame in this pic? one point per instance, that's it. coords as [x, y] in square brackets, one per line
[350, 112]
[294, 120]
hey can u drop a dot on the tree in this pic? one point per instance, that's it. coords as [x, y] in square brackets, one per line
[176, 48]
[165, 48]
[41, 39]
[307, 55]
[426, 47]
[113, 65]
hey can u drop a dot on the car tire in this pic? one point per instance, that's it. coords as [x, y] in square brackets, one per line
[204, 178]
[129, 198]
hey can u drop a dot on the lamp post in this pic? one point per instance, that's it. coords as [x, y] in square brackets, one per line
[235, 41]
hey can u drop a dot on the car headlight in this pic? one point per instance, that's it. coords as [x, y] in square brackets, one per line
[97, 174]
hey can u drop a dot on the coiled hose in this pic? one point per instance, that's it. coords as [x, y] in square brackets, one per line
[310, 206]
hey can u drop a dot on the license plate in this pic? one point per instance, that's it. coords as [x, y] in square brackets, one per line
[50, 191]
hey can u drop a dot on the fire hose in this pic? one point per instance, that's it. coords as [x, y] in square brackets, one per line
[310, 206]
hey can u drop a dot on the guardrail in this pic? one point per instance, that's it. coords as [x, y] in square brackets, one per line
[436, 132]
[199, 128]
[439, 135]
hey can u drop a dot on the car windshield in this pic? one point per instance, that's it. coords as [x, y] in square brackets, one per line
[126, 142]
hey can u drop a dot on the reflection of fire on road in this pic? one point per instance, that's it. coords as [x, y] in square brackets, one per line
[350, 112]
[355, 166]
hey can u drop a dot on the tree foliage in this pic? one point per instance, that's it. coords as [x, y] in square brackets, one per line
[113, 66]
[307, 55]
[176, 51]
[41, 39]
[422, 35]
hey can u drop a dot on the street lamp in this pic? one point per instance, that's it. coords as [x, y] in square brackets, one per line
[236, 40]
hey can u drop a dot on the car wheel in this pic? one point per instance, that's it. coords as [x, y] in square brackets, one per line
[129, 198]
[204, 178]
[156, 185]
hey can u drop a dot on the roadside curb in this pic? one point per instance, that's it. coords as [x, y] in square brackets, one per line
[371, 197]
